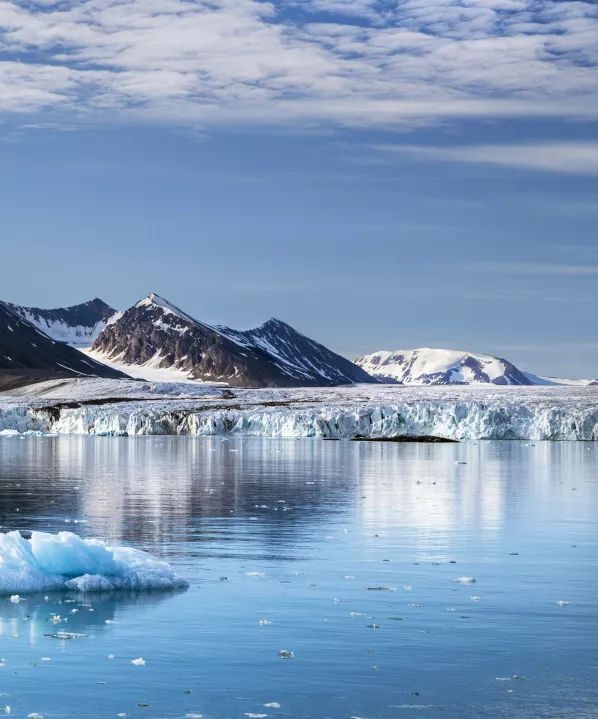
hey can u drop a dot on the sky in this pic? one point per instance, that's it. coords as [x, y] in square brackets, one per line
[381, 174]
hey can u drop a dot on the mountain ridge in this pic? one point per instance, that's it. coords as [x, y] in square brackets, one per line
[156, 333]
[77, 325]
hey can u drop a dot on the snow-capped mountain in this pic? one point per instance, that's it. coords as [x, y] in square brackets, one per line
[24, 347]
[440, 366]
[156, 334]
[78, 325]
[298, 355]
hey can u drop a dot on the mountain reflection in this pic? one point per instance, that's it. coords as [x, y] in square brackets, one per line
[157, 492]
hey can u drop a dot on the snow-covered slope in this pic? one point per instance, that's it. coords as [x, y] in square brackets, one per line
[156, 335]
[78, 325]
[441, 366]
[24, 348]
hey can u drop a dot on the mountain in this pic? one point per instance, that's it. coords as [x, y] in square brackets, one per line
[77, 325]
[23, 347]
[156, 334]
[440, 366]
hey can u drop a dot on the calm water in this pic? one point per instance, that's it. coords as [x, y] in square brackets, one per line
[321, 542]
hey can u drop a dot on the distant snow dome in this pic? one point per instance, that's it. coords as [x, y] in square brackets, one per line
[52, 562]
[427, 365]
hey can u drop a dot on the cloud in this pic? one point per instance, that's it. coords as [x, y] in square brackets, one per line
[358, 62]
[569, 157]
[532, 268]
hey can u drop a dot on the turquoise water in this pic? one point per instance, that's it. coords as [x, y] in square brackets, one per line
[343, 553]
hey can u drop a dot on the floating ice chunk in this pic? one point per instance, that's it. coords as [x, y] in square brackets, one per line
[66, 635]
[563, 603]
[286, 654]
[66, 561]
[139, 662]
[272, 705]
[465, 580]
[16, 598]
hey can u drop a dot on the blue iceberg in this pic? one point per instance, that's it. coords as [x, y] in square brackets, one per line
[51, 562]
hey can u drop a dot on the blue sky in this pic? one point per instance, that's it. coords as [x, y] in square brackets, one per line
[379, 174]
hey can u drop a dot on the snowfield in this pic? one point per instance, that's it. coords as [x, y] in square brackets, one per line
[118, 407]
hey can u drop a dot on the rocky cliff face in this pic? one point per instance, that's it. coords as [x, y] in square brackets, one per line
[77, 325]
[25, 347]
[156, 333]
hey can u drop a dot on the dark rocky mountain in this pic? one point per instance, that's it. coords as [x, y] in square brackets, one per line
[157, 334]
[24, 347]
[300, 356]
[76, 325]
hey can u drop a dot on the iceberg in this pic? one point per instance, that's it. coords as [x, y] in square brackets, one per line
[63, 561]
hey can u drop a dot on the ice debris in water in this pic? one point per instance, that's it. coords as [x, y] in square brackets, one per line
[465, 580]
[138, 662]
[66, 561]
[286, 654]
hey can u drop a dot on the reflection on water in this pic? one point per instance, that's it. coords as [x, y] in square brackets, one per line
[36, 617]
[345, 553]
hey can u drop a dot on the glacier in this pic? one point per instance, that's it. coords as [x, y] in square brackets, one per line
[63, 561]
[458, 413]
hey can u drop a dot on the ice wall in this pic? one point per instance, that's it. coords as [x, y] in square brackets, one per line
[532, 415]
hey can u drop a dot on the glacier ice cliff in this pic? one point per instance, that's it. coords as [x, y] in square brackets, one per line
[50, 562]
[532, 413]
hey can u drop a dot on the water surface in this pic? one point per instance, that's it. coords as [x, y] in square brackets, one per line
[343, 553]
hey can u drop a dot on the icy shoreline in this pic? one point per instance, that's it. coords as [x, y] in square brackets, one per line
[536, 413]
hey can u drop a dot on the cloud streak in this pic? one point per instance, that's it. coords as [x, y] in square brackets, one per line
[532, 268]
[363, 62]
[566, 157]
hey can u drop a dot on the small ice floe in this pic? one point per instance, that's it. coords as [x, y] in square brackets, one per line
[253, 715]
[193, 715]
[465, 580]
[138, 662]
[475, 598]
[66, 561]
[66, 635]
[286, 654]
[563, 603]
[16, 598]
[265, 622]
[5, 709]
[459, 461]
[35, 715]
[373, 626]
[382, 588]
[272, 705]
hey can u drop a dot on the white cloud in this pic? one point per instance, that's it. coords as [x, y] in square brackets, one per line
[358, 62]
[569, 157]
[533, 268]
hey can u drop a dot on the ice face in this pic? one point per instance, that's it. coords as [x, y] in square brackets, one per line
[461, 413]
[49, 562]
